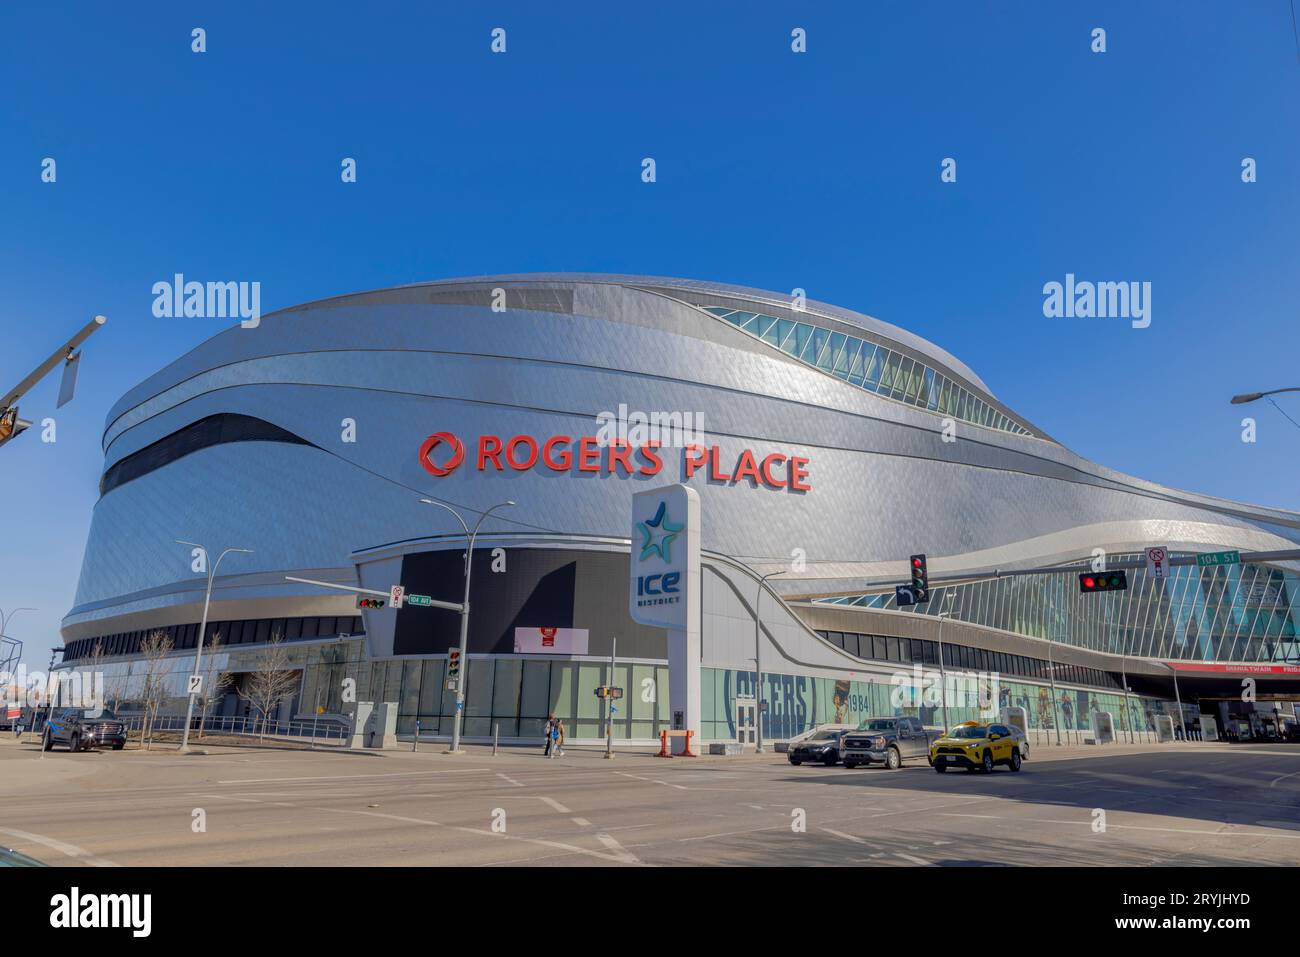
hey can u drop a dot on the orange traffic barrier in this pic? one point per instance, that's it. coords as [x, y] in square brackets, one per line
[663, 744]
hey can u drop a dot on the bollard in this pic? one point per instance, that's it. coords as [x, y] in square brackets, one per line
[496, 734]
[416, 739]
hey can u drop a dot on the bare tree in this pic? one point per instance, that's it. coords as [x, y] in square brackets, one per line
[272, 682]
[155, 648]
[215, 681]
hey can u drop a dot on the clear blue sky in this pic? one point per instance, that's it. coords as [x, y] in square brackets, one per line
[775, 170]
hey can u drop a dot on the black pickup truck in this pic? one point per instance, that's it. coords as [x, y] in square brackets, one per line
[888, 740]
[81, 730]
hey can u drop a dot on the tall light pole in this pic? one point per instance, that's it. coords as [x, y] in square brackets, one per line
[203, 627]
[1051, 673]
[758, 663]
[1252, 396]
[464, 611]
[948, 597]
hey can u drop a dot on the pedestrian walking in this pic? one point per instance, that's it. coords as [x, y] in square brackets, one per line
[546, 731]
[559, 737]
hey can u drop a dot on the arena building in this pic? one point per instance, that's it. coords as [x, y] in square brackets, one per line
[824, 445]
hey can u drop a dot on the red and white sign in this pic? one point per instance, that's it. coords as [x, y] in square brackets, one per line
[1157, 562]
[551, 641]
[442, 453]
[1234, 668]
[395, 595]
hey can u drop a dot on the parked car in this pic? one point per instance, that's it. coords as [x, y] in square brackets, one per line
[977, 747]
[822, 746]
[887, 740]
[80, 730]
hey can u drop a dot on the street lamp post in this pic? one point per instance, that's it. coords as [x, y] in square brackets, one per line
[758, 662]
[1051, 673]
[203, 627]
[1252, 396]
[470, 536]
[948, 597]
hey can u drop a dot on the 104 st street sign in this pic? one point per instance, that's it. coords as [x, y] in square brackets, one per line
[1211, 559]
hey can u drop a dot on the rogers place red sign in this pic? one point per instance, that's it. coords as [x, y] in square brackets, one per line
[442, 453]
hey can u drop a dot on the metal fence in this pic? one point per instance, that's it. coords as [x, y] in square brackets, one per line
[325, 731]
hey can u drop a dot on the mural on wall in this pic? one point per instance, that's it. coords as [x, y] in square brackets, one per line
[798, 703]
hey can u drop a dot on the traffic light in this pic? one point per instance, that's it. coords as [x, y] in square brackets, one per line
[920, 580]
[453, 664]
[370, 602]
[1103, 581]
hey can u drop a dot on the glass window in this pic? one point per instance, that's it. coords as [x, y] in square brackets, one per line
[890, 371]
[762, 325]
[826, 362]
[815, 345]
[856, 368]
[845, 358]
[929, 398]
[786, 330]
[902, 378]
[872, 367]
[797, 342]
[945, 396]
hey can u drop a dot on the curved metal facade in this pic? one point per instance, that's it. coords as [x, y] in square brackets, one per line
[359, 382]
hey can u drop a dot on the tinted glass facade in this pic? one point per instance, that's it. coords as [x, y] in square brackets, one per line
[873, 367]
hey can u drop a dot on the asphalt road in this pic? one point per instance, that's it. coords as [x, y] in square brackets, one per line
[1186, 804]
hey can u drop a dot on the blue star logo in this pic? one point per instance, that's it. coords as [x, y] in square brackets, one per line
[657, 535]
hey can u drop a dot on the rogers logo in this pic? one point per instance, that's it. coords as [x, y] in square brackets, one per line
[432, 442]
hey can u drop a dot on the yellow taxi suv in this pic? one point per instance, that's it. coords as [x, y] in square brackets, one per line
[976, 747]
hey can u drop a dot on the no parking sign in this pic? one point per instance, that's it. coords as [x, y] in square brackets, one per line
[1158, 562]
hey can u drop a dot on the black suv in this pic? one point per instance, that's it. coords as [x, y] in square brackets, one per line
[79, 731]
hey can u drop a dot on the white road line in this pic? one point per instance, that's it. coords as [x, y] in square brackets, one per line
[352, 777]
[508, 779]
[991, 817]
[915, 860]
[71, 850]
[554, 804]
[622, 858]
[1282, 778]
[581, 822]
[847, 837]
[626, 855]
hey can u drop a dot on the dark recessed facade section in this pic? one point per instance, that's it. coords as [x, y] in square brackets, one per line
[253, 631]
[909, 651]
[207, 432]
[521, 588]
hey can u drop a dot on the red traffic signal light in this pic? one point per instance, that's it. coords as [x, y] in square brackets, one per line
[1103, 581]
[370, 602]
[920, 579]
